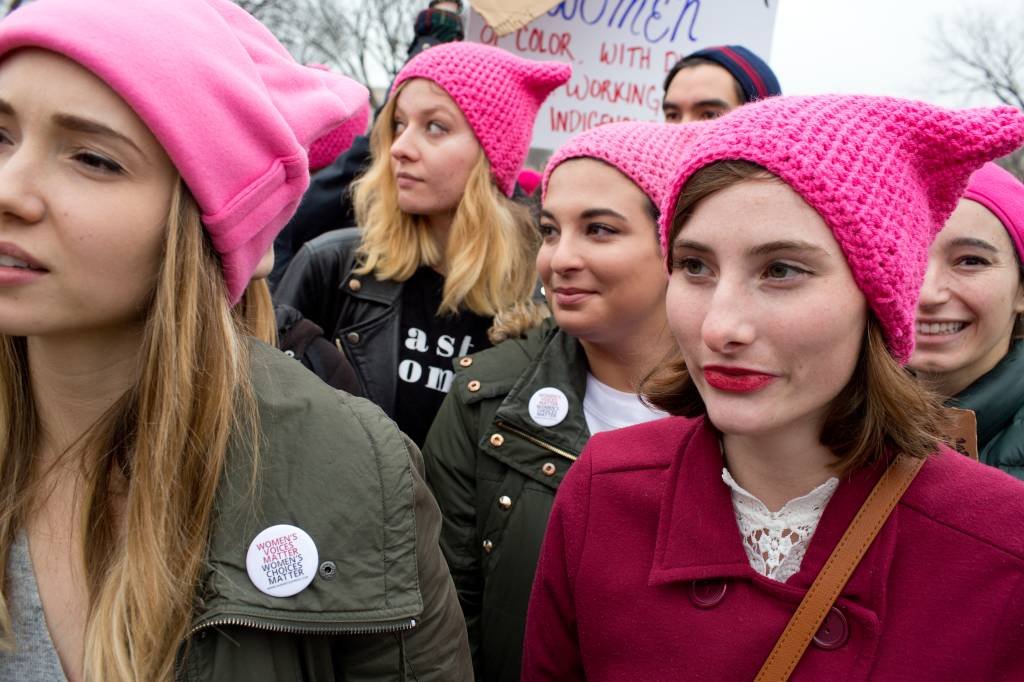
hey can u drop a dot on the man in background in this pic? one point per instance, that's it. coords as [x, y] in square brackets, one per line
[710, 82]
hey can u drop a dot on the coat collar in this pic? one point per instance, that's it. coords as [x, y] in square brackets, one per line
[369, 288]
[698, 539]
[561, 364]
[997, 396]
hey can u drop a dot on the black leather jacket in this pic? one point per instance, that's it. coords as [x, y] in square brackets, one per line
[359, 313]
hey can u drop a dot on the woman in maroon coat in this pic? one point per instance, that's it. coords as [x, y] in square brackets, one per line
[797, 235]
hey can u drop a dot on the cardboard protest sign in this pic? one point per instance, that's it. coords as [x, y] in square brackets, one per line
[621, 50]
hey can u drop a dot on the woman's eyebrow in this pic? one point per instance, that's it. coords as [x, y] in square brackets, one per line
[90, 127]
[769, 248]
[601, 213]
[6, 108]
[975, 242]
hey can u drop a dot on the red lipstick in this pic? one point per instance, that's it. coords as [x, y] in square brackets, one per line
[736, 379]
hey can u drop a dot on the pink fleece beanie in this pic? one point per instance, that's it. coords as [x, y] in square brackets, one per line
[233, 111]
[646, 152]
[1003, 194]
[498, 92]
[883, 173]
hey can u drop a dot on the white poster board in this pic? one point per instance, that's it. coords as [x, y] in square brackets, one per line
[621, 50]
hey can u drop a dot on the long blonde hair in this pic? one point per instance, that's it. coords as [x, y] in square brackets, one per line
[490, 256]
[163, 444]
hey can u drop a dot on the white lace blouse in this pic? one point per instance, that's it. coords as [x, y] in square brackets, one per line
[775, 542]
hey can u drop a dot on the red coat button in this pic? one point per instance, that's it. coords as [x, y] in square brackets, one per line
[834, 632]
[707, 593]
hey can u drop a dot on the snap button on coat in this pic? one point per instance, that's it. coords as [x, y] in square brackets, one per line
[473, 386]
[505, 502]
[488, 546]
[497, 440]
[355, 285]
[353, 337]
[834, 632]
[706, 594]
[465, 362]
[548, 469]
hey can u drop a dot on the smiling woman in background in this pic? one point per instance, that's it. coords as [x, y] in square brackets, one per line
[519, 414]
[969, 318]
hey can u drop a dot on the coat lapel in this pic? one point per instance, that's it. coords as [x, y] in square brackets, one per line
[698, 539]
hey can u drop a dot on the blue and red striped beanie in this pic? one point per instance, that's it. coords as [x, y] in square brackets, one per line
[756, 78]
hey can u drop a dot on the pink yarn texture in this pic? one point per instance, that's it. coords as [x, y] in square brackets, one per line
[229, 105]
[327, 148]
[1003, 194]
[647, 153]
[883, 173]
[498, 92]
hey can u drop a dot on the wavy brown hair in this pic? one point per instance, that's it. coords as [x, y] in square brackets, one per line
[882, 409]
[161, 447]
[489, 261]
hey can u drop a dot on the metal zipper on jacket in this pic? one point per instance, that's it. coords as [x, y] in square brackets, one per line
[537, 441]
[259, 624]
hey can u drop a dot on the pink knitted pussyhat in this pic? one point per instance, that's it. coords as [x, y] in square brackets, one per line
[646, 152]
[498, 92]
[1003, 194]
[883, 173]
[328, 147]
[232, 109]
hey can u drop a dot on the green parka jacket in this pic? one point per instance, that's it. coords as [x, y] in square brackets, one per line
[997, 399]
[494, 472]
[382, 605]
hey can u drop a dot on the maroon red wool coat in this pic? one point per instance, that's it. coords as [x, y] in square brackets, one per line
[643, 575]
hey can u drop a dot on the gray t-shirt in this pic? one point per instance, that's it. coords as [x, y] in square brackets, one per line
[34, 658]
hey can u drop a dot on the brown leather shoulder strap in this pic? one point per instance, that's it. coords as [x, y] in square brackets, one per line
[837, 570]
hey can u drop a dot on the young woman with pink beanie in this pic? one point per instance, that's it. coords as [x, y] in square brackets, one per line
[969, 318]
[800, 517]
[519, 414]
[180, 501]
[443, 262]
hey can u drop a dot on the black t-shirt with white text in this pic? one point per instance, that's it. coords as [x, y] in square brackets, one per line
[426, 348]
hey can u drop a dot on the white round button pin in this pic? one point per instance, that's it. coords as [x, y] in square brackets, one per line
[282, 560]
[549, 406]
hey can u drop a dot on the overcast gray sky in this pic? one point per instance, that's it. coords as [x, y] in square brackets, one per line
[868, 46]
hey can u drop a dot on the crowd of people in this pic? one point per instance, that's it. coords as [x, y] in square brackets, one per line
[293, 390]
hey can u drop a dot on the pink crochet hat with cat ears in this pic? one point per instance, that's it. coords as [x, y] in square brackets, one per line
[232, 109]
[647, 153]
[498, 92]
[883, 173]
[1003, 194]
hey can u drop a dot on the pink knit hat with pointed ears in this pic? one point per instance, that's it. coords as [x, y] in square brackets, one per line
[883, 173]
[234, 112]
[646, 152]
[498, 92]
[1003, 194]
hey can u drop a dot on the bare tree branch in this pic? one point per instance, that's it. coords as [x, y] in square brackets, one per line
[980, 54]
[365, 39]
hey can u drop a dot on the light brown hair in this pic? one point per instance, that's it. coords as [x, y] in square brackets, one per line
[255, 312]
[162, 447]
[489, 261]
[882, 409]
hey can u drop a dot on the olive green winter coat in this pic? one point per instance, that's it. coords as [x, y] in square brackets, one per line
[382, 605]
[494, 472]
[997, 399]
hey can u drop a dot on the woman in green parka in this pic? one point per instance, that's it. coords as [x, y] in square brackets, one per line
[177, 500]
[969, 321]
[519, 414]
